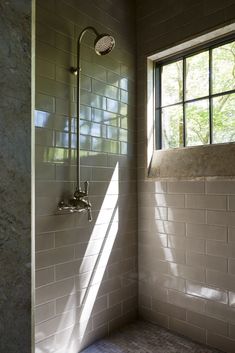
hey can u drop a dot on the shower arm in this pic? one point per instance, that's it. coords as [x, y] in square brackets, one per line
[77, 71]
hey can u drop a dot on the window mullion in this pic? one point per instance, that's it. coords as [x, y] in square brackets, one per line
[158, 109]
[210, 97]
[184, 87]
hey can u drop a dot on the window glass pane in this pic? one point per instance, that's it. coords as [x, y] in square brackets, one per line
[223, 68]
[224, 118]
[197, 123]
[172, 83]
[197, 76]
[172, 127]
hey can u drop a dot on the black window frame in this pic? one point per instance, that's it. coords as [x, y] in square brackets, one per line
[206, 47]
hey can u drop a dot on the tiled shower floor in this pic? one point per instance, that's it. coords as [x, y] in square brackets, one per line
[143, 337]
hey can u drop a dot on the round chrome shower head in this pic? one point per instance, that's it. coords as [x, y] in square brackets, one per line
[104, 44]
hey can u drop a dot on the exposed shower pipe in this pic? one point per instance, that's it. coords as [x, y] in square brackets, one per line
[100, 49]
[103, 44]
[77, 72]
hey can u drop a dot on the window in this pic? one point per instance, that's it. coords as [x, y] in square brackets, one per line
[195, 98]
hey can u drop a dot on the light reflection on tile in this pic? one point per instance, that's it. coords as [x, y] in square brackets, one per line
[73, 123]
[93, 70]
[73, 140]
[123, 135]
[124, 83]
[232, 299]
[113, 133]
[113, 78]
[41, 118]
[124, 149]
[102, 88]
[85, 142]
[124, 122]
[85, 112]
[123, 109]
[55, 155]
[62, 139]
[60, 123]
[113, 106]
[105, 145]
[124, 96]
[93, 129]
[105, 117]
[96, 144]
[96, 130]
[44, 137]
[93, 100]
[202, 291]
[86, 82]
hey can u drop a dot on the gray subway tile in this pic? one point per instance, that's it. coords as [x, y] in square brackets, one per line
[207, 231]
[186, 215]
[220, 187]
[188, 272]
[221, 218]
[221, 280]
[232, 331]
[193, 244]
[45, 103]
[44, 276]
[44, 312]
[44, 242]
[202, 291]
[169, 309]
[206, 201]
[54, 290]
[184, 328]
[191, 187]
[220, 248]
[54, 256]
[220, 311]
[220, 342]
[186, 301]
[208, 261]
[231, 234]
[70, 302]
[201, 320]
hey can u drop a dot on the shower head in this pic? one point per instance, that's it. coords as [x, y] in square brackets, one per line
[104, 44]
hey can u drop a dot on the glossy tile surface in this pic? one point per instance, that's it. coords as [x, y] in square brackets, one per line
[186, 224]
[86, 281]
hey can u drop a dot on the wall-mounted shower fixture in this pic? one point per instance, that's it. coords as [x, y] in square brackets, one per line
[103, 44]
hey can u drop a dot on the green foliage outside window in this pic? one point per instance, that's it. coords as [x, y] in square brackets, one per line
[197, 98]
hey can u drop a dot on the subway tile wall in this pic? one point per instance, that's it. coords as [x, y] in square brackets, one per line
[86, 282]
[186, 258]
[186, 228]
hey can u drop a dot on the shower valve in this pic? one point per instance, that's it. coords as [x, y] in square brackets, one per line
[78, 203]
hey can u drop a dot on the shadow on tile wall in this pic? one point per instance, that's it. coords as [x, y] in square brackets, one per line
[85, 272]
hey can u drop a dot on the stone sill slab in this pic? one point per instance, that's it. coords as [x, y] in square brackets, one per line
[198, 162]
